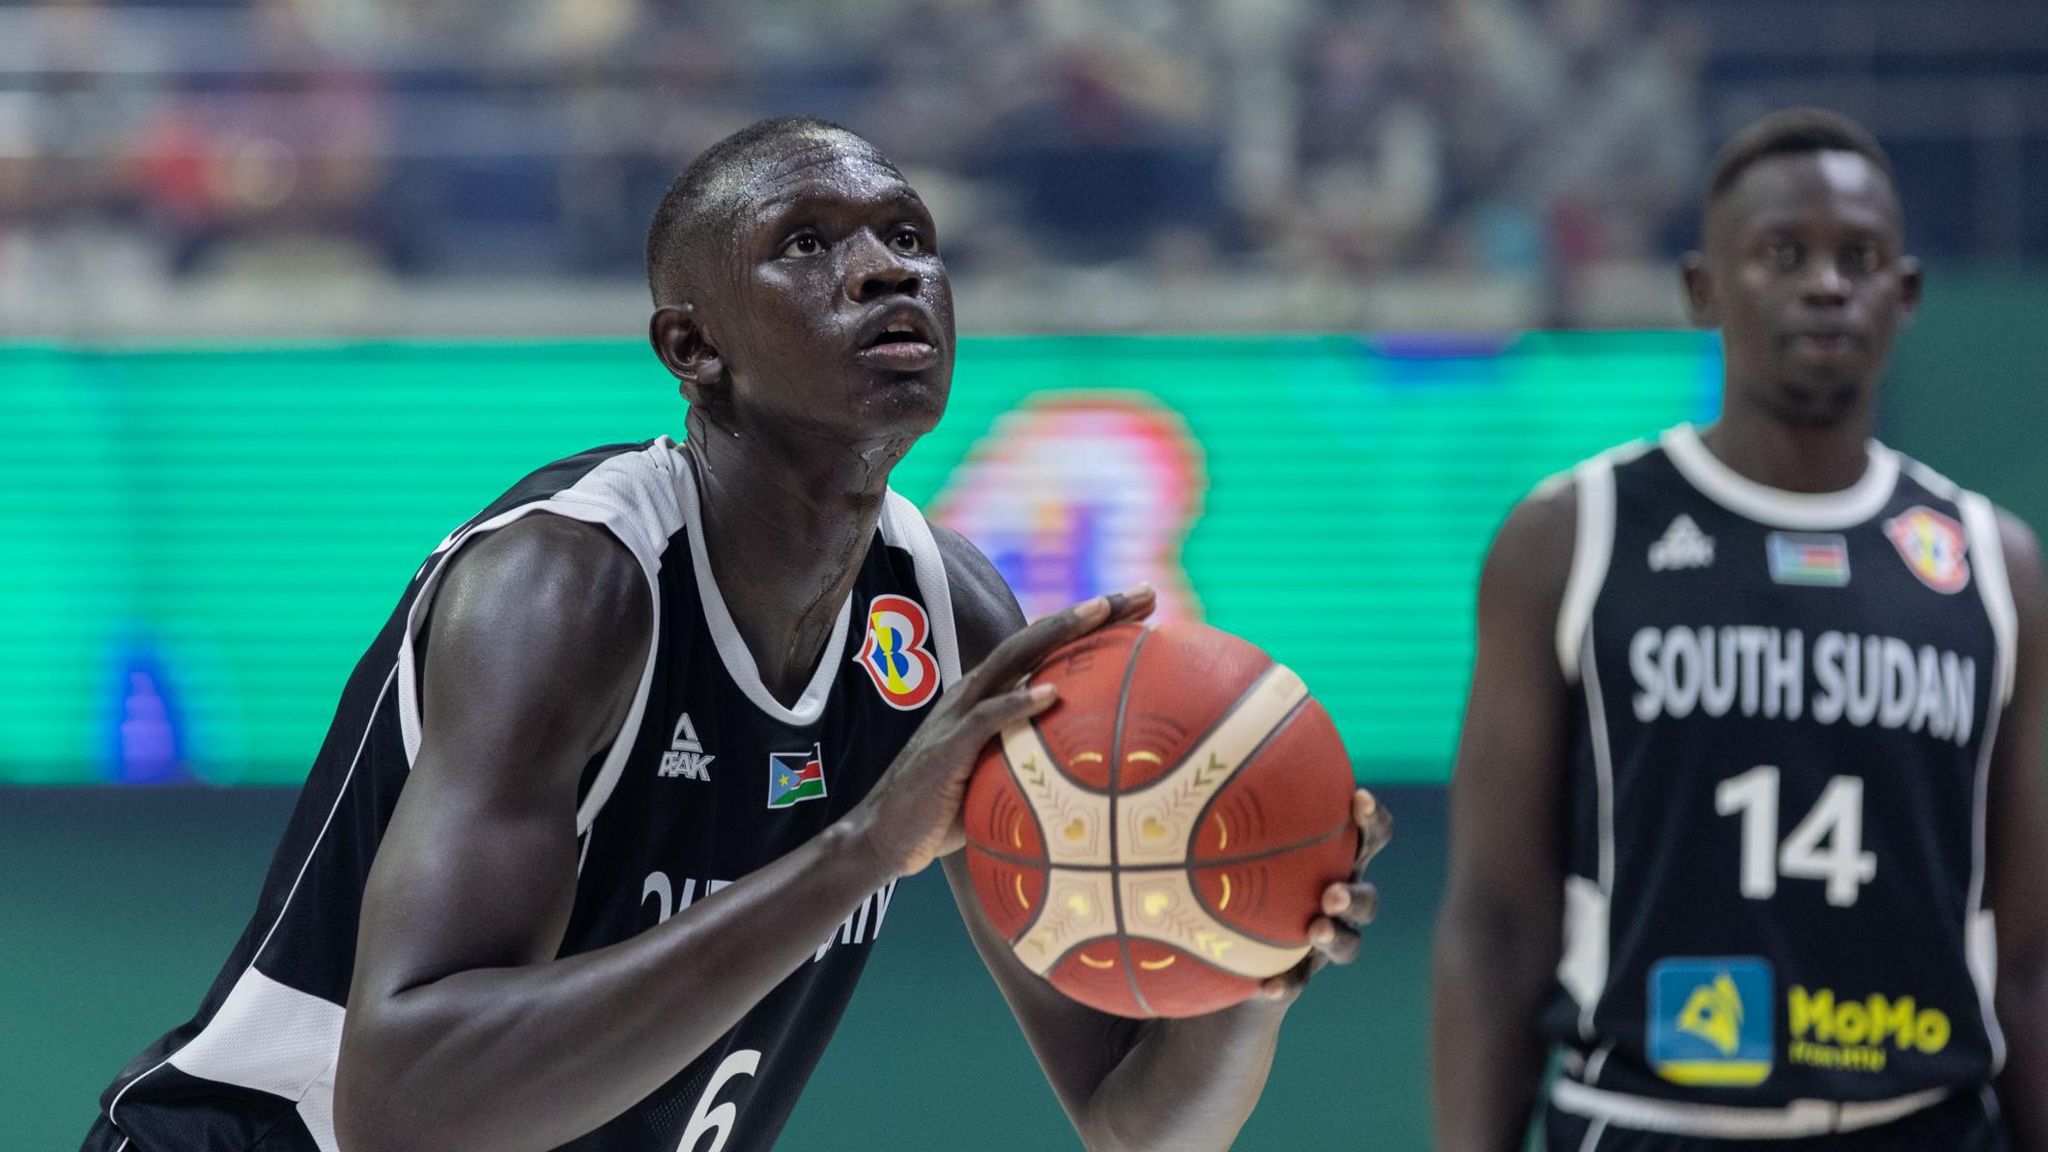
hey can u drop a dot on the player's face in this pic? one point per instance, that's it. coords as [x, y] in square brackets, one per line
[1806, 277]
[838, 318]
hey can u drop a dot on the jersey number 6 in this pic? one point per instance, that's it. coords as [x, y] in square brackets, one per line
[707, 1119]
[1827, 845]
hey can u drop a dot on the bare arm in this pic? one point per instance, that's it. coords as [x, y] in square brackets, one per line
[463, 1029]
[1127, 1084]
[2016, 880]
[1498, 938]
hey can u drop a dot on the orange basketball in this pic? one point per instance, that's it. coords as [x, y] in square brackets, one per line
[1158, 842]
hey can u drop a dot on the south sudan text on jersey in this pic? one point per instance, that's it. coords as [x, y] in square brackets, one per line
[1751, 671]
[1775, 793]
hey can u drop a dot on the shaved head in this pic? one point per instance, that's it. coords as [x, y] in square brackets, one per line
[700, 204]
[1794, 132]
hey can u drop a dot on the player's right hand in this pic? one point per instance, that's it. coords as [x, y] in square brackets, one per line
[912, 816]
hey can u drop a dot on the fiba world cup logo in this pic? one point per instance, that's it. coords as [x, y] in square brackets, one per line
[894, 654]
[1074, 494]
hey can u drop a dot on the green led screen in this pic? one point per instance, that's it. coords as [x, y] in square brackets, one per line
[200, 543]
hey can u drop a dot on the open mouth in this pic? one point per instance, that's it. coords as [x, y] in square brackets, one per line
[901, 346]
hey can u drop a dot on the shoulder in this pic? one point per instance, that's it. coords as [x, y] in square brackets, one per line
[985, 611]
[566, 563]
[2022, 549]
[2021, 546]
[550, 588]
[1534, 548]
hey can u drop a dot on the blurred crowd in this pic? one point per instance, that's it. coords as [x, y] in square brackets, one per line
[1532, 141]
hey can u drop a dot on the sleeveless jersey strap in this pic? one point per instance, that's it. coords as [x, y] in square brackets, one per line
[1591, 551]
[904, 526]
[1987, 563]
[634, 496]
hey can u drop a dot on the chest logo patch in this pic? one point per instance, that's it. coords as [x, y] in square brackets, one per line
[794, 777]
[1712, 1020]
[1933, 546]
[1683, 545]
[1813, 559]
[686, 758]
[894, 654]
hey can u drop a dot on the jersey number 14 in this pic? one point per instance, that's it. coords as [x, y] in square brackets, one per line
[1827, 845]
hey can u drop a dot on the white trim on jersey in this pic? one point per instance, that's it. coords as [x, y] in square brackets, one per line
[732, 647]
[633, 495]
[1582, 965]
[331, 1051]
[1603, 765]
[904, 527]
[1994, 585]
[1799, 1119]
[1800, 511]
[1588, 904]
[1986, 551]
[273, 1038]
[1592, 550]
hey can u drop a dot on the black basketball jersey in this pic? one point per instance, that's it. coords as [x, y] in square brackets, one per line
[1785, 705]
[709, 779]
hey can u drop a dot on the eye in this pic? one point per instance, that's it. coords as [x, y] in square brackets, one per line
[1784, 255]
[907, 240]
[803, 244]
[1861, 257]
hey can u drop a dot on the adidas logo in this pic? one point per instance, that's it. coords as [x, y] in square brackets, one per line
[1682, 546]
[685, 756]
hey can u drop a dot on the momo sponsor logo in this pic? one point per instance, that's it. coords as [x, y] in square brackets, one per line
[1826, 1030]
[1711, 1021]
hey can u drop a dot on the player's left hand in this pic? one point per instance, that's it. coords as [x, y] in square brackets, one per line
[1347, 907]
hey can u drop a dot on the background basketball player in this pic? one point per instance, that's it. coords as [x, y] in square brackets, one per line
[614, 805]
[1753, 749]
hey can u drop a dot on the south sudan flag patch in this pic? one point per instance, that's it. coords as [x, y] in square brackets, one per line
[794, 777]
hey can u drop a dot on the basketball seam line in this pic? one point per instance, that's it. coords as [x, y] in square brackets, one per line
[1251, 757]
[1189, 865]
[1223, 717]
[1174, 948]
[1116, 749]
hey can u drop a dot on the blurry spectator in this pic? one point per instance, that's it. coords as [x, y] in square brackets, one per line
[1166, 141]
[1371, 150]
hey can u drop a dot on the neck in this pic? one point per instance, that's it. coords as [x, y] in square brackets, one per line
[786, 526]
[1777, 453]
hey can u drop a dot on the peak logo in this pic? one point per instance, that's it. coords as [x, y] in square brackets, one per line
[686, 757]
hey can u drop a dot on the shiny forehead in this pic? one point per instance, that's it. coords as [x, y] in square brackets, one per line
[817, 162]
[1841, 184]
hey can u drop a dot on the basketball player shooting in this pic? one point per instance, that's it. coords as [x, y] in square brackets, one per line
[613, 807]
[1749, 817]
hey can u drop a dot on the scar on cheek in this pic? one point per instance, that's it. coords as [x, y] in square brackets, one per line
[1845, 171]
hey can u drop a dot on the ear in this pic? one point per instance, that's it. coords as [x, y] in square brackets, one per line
[686, 350]
[1699, 291]
[1909, 288]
